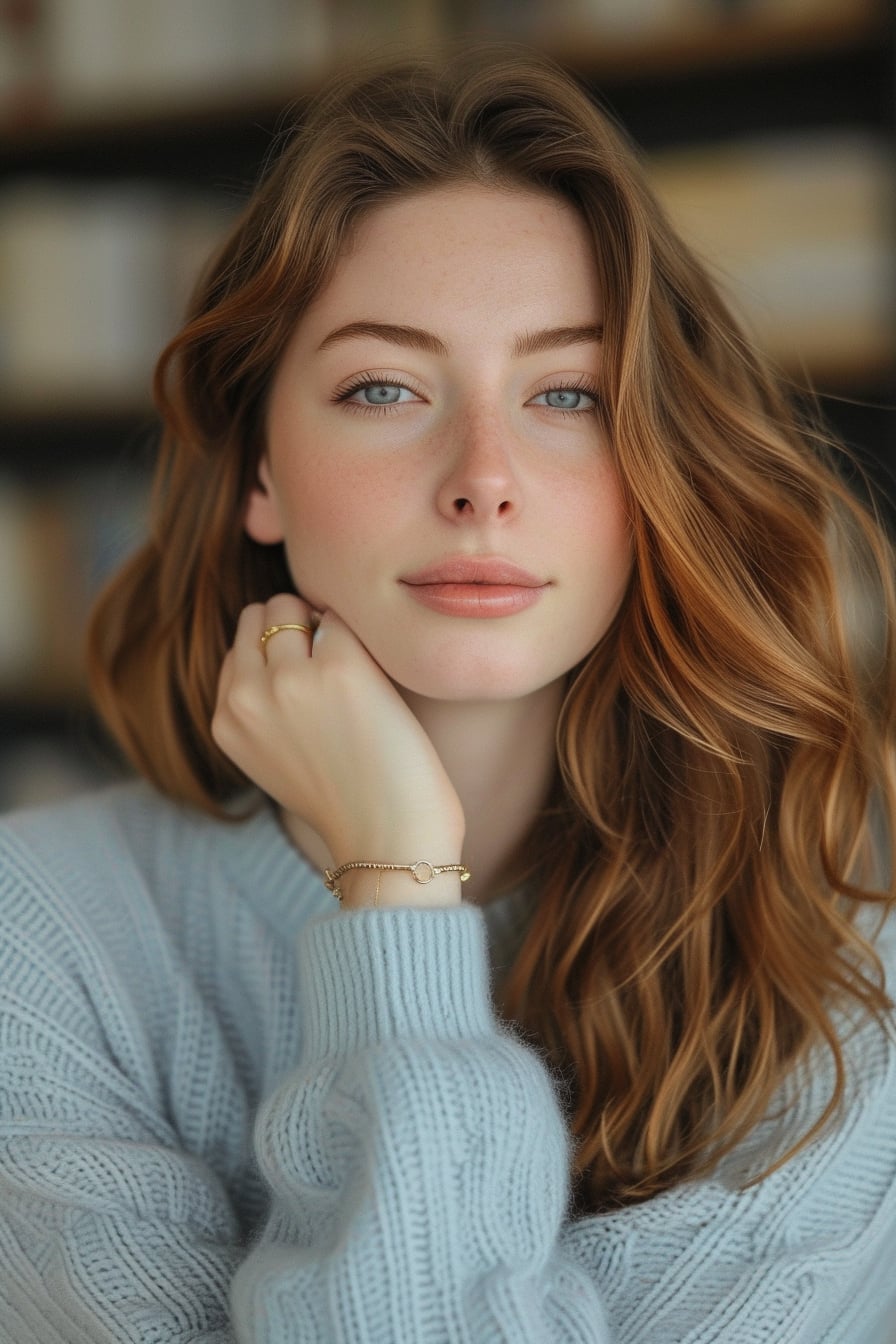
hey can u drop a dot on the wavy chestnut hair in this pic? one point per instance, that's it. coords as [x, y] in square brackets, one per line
[725, 755]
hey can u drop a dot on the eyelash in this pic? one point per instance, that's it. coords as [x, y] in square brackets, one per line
[342, 394]
[574, 385]
[347, 390]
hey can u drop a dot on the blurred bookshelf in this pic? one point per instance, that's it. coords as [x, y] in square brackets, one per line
[131, 131]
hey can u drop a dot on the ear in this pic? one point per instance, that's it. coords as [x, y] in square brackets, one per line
[262, 517]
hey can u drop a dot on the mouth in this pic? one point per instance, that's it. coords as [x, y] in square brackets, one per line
[476, 586]
[491, 570]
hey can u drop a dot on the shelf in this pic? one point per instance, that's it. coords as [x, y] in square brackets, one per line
[54, 409]
[42, 129]
[39, 440]
[51, 751]
[736, 40]
[53, 709]
[839, 374]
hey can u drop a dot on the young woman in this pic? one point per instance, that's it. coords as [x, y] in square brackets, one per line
[497, 946]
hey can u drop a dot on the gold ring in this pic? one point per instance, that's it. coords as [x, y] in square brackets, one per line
[275, 630]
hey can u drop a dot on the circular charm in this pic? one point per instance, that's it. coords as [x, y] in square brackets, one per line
[423, 872]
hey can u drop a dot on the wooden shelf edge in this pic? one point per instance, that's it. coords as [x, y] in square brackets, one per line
[32, 412]
[53, 705]
[735, 40]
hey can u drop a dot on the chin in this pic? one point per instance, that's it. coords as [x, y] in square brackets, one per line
[463, 681]
[467, 694]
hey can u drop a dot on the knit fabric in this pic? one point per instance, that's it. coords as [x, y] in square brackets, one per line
[230, 1110]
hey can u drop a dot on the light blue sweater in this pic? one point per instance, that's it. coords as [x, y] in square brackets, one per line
[231, 1111]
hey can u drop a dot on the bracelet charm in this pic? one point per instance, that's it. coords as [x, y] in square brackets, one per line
[422, 872]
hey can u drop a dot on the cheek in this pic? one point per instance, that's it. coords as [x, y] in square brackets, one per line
[332, 513]
[608, 558]
[599, 522]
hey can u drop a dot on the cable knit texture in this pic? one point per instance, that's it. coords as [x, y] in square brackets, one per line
[231, 1111]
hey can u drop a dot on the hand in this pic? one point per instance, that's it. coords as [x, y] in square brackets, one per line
[321, 729]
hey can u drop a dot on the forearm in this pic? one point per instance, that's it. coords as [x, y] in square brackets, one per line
[418, 1154]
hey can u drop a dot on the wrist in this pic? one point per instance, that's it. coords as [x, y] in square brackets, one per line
[359, 884]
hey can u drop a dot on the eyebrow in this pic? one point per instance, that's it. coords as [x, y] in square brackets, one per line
[529, 343]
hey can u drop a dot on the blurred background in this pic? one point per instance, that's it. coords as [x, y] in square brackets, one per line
[131, 131]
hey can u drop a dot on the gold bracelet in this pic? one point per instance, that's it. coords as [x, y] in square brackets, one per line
[422, 871]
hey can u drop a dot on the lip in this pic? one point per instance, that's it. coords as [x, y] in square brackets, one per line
[475, 586]
[475, 569]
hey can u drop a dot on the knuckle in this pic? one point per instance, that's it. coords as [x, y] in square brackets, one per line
[284, 684]
[250, 615]
[283, 605]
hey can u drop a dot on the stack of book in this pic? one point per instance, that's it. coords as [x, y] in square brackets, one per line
[798, 231]
[84, 57]
[93, 281]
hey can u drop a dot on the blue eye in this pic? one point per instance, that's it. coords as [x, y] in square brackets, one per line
[568, 398]
[381, 394]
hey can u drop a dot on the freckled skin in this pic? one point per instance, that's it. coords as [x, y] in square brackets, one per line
[476, 456]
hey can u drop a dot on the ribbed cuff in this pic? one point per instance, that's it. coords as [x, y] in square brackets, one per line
[368, 976]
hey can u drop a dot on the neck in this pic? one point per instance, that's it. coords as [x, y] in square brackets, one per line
[500, 757]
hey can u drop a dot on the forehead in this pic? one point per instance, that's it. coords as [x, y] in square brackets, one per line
[452, 205]
[465, 244]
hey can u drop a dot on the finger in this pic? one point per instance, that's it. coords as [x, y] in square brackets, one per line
[286, 642]
[238, 667]
[242, 664]
[247, 641]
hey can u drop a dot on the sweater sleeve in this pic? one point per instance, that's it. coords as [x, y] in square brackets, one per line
[421, 1165]
[418, 1153]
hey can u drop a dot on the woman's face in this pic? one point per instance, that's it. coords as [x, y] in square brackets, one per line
[421, 449]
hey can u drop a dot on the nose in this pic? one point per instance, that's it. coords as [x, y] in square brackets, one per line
[480, 481]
